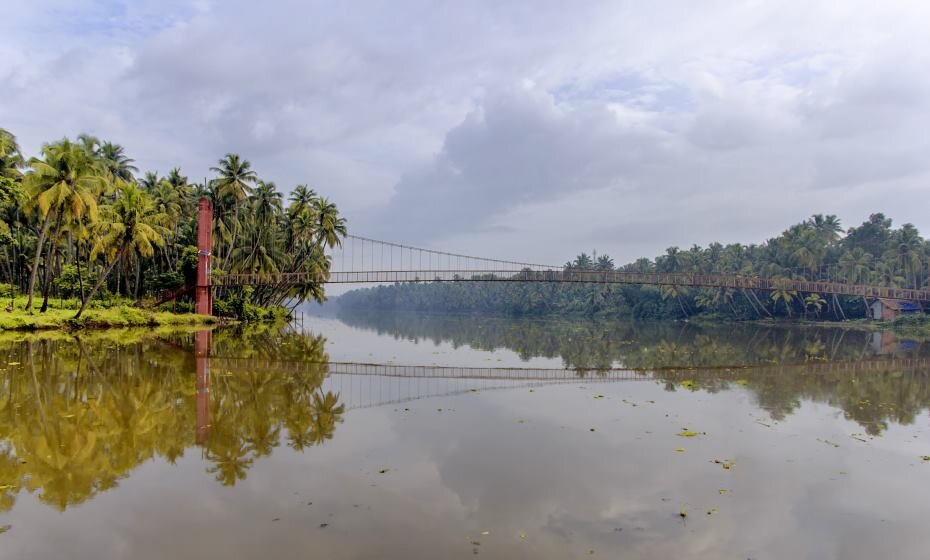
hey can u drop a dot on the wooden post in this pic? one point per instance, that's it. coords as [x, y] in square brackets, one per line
[203, 295]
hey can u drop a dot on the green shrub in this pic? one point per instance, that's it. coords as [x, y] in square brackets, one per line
[177, 307]
[240, 306]
[163, 281]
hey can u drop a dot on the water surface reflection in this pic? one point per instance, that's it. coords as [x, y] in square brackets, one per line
[270, 442]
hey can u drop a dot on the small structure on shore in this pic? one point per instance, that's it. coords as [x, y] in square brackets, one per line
[888, 309]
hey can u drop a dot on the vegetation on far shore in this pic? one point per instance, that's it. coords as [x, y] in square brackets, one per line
[816, 249]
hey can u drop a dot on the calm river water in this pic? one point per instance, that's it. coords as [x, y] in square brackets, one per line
[411, 436]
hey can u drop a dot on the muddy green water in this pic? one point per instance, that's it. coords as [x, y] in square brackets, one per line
[406, 436]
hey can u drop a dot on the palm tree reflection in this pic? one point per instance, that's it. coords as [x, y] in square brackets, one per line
[77, 415]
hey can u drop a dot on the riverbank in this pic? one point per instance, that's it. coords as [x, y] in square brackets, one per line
[60, 315]
[912, 327]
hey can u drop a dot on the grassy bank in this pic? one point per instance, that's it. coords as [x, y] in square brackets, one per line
[60, 315]
[114, 335]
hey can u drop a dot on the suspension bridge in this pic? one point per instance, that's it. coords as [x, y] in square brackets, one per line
[362, 260]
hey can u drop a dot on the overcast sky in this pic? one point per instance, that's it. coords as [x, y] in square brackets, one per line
[528, 130]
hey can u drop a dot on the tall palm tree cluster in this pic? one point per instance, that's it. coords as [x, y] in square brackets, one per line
[815, 249]
[79, 222]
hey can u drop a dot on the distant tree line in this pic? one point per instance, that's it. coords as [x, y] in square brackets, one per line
[78, 221]
[815, 249]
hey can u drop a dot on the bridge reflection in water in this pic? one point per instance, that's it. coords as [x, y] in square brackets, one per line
[366, 385]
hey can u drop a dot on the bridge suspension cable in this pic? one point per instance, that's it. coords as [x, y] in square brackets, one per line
[358, 253]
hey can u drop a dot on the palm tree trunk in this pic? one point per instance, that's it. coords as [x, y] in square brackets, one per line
[232, 242]
[48, 282]
[103, 276]
[259, 241]
[751, 304]
[80, 277]
[138, 280]
[762, 305]
[9, 267]
[52, 246]
[836, 303]
[681, 305]
[35, 264]
[118, 275]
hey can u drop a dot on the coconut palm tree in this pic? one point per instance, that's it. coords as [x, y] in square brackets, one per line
[301, 198]
[265, 204]
[316, 264]
[181, 186]
[604, 263]
[855, 268]
[133, 225]
[150, 180]
[783, 294]
[232, 186]
[113, 159]
[907, 251]
[583, 262]
[261, 251]
[64, 180]
[89, 142]
[10, 157]
[815, 302]
[855, 265]
[808, 248]
[640, 265]
[672, 290]
[330, 227]
[170, 201]
[827, 227]
[10, 162]
[301, 229]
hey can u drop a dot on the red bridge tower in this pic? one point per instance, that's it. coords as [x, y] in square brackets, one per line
[203, 296]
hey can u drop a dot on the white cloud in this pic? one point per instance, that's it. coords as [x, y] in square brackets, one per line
[523, 129]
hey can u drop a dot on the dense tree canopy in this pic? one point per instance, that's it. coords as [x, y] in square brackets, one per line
[816, 249]
[78, 222]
